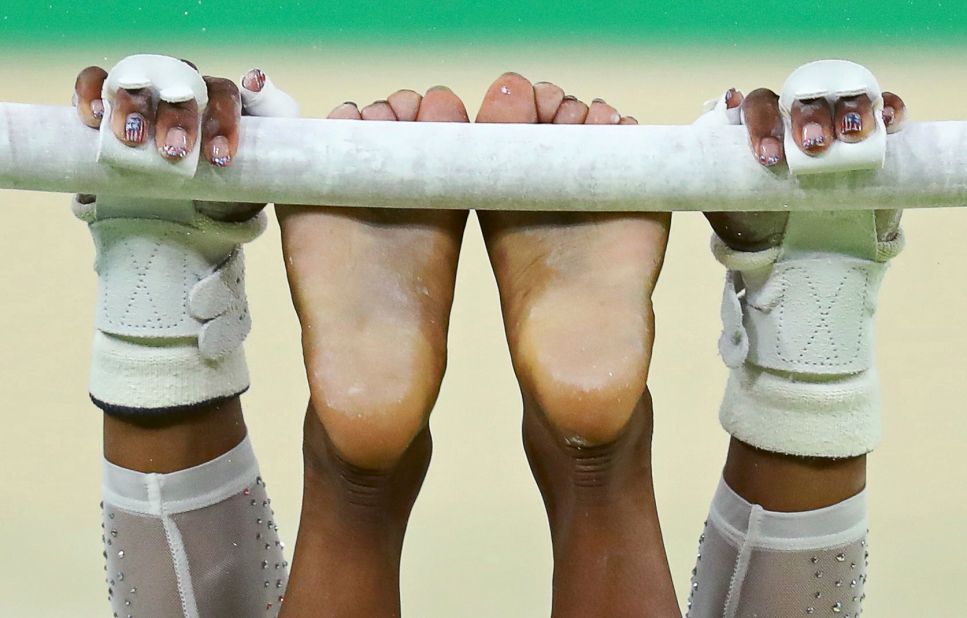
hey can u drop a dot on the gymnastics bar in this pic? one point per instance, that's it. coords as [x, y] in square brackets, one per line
[491, 166]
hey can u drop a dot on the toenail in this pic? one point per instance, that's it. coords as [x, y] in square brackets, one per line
[176, 143]
[504, 90]
[439, 88]
[97, 109]
[570, 97]
[134, 128]
[852, 123]
[729, 94]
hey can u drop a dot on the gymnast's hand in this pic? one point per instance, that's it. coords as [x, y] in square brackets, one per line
[135, 120]
[816, 125]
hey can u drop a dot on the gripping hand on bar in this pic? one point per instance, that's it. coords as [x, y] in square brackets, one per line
[168, 364]
[802, 400]
[497, 167]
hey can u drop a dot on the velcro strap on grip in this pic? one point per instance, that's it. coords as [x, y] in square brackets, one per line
[801, 309]
[161, 279]
[814, 316]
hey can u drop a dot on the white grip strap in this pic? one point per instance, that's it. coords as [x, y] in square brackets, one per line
[171, 312]
[833, 79]
[161, 279]
[168, 79]
[808, 306]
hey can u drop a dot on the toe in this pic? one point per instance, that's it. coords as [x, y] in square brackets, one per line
[87, 89]
[509, 99]
[571, 111]
[628, 120]
[894, 112]
[812, 125]
[346, 111]
[549, 98]
[378, 110]
[440, 104]
[405, 104]
[764, 124]
[220, 124]
[602, 113]
[854, 118]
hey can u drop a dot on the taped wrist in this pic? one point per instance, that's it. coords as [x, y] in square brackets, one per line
[171, 307]
[798, 336]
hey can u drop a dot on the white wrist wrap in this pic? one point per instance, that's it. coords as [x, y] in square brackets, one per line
[832, 79]
[171, 309]
[798, 336]
[168, 79]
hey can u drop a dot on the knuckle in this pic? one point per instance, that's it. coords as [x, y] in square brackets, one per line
[90, 76]
[762, 94]
[222, 88]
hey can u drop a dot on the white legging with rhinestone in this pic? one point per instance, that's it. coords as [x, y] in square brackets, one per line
[754, 563]
[197, 543]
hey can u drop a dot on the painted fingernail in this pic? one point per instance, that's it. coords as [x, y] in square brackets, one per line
[134, 128]
[220, 157]
[254, 80]
[889, 115]
[852, 122]
[770, 151]
[176, 144]
[97, 109]
[812, 135]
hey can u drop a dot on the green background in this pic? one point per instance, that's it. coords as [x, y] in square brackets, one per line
[54, 23]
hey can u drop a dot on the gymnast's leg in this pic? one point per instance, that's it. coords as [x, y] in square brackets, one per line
[575, 292]
[786, 534]
[187, 528]
[373, 291]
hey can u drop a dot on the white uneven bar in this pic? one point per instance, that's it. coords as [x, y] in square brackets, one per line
[506, 167]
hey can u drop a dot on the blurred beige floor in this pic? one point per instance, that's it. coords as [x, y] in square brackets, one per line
[478, 544]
